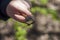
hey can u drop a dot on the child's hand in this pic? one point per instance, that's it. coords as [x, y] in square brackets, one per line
[15, 9]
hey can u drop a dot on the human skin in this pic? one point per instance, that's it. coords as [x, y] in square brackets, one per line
[15, 8]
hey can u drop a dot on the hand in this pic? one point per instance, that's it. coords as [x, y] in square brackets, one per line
[15, 9]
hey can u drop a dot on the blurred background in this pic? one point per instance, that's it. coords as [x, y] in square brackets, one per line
[46, 26]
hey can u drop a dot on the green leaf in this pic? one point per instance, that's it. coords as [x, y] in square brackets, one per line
[43, 11]
[43, 2]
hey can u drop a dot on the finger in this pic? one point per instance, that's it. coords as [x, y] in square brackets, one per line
[21, 7]
[28, 6]
[19, 18]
